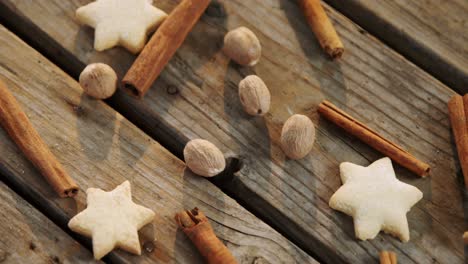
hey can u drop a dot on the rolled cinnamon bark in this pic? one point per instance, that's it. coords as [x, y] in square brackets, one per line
[388, 257]
[20, 129]
[196, 226]
[458, 111]
[322, 27]
[372, 138]
[162, 46]
[465, 238]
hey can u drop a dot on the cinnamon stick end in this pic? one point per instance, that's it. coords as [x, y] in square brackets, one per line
[69, 192]
[132, 90]
[321, 106]
[388, 257]
[465, 237]
[454, 98]
[425, 171]
[188, 218]
[334, 53]
[393, 257]
[184, 220]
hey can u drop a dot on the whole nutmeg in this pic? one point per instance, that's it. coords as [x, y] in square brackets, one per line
[254, 95]
[297, 136]
[242, 46]
[98, 80]
[204, 158]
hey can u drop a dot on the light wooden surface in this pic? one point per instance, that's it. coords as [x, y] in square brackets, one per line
[29, 237]
[99, 148]
[371, 82]
[432, 33]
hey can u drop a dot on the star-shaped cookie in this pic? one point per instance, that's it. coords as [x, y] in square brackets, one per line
[120, 22]
[375, 198]
[112, 219]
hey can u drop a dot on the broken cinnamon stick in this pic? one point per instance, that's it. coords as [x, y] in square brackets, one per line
[465, 238]
[162, 46]
[196, 226]
[322, 27]
[20, 129]
[458, 111]
[388, 257]
[372, 138]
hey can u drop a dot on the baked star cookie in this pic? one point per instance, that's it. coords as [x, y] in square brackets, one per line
[375, 198]
[112, 219]
[120, 22]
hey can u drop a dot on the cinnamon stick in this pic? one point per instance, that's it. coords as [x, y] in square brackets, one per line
[20, 129]
[372, 138]
[465, 238]
[162, 46]
[196, 226]
[458, 111]
[322, 27]
[388, 257]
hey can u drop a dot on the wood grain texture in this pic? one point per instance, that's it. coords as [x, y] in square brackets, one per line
[196, 96]
[29, 237]
[99, 148]
[431, 33]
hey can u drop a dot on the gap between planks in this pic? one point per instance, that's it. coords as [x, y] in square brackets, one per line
[437, 59]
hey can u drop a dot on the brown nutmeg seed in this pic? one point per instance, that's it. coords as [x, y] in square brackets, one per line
[242, 46]
[98, 80]
[254, 95]
[297, 136]
[204, 158]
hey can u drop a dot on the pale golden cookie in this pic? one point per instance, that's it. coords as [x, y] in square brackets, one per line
[120, 22]
[112, 219]
[375, 198]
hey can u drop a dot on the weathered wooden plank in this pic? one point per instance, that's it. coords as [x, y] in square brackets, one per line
[371, 82]
[99, 148]
[29, 237]
[431, 33]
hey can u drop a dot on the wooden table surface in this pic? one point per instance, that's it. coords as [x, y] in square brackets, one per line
[29, 237]
[196, 97]
[100, 148]
[431, 33]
